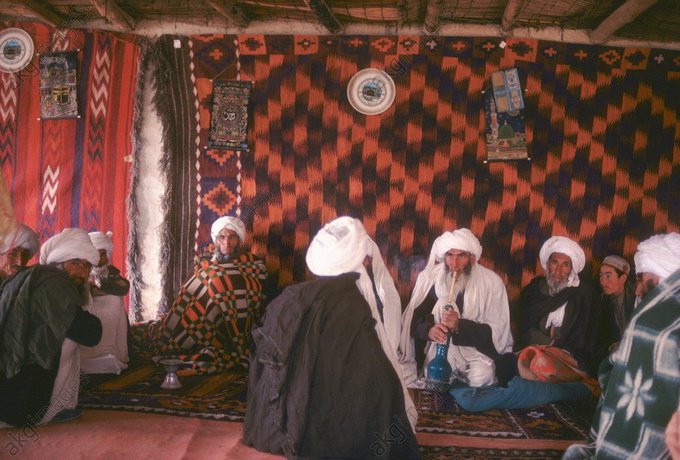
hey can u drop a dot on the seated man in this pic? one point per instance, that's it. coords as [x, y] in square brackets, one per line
[641, 379]
[208, 325]
[39, 365]
[324, 382]
[17, 250]
[617, 302]
[106, 285]
[478, 323]
[556, 317]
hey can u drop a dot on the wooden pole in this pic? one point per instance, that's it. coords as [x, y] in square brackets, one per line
[620, 17]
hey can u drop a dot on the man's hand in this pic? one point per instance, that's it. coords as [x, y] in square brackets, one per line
[438, 333]
[450, 319]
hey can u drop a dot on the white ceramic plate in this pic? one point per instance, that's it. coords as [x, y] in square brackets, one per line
[16, 49]
[371, 91]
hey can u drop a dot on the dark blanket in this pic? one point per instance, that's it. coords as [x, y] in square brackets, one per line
[577, 333]
[320, 384]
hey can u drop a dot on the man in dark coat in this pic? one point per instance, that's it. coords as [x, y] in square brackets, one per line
[556, 309]
[321, 381]
[41, 323]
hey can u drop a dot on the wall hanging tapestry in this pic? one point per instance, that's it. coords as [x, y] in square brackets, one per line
[601, 122]
[229, 116]
[73, 172]
[58, 91]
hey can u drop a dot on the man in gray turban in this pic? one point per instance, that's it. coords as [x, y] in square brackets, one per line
[16, 250]
[641, 379]
[556, 309]
[39, 365]
[325, 381]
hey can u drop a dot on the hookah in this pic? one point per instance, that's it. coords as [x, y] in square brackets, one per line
[439, 370]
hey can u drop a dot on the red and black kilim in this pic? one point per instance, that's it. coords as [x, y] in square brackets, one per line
[601, 126]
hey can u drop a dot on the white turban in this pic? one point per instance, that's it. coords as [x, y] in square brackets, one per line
[71, 243]
[103, 241]
[567, 247]
[659, 255]
[339, 247]
[23, 237]
[232, 223]
[461, 239]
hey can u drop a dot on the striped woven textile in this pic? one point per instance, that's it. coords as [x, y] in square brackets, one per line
[208, 325]
[72, 172]
[601, 124]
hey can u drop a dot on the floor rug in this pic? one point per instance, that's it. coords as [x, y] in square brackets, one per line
[214, 397]
[444, 429]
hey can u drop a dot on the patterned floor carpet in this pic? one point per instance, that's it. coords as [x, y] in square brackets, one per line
[444, 431]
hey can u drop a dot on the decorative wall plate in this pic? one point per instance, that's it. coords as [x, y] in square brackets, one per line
[16, 49]
[371, 91]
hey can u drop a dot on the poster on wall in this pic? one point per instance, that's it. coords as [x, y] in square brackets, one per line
[58, 85]
[504, 116]
[229, 115]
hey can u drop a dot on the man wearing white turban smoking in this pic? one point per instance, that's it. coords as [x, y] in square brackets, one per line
[16, 250]
[556, 309]
[326, 381]
[39, 365]
[641, 379]
[479, 323]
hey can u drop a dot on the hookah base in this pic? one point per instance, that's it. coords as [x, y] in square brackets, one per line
[437, 386]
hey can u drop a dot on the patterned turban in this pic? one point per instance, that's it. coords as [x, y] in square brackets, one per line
[71, 243]
[659, 255]
[339, 247]
[23, 237]
[618, 263]
[232, 223]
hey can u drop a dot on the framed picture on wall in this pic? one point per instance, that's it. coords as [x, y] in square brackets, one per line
[229, 115]
[58, 85]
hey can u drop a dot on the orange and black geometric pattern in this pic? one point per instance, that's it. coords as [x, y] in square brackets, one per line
[209, 323]
[601, 125]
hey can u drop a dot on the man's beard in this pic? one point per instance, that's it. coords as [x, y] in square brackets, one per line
[556, 286]
[648, 286]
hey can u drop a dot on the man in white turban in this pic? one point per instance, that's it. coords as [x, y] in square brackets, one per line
[229, 234]
[39, 365]
[104, 276]
[16, 250]
[107, 287]
[641, 379]
[326, 355]
[556, 309]
[478, 322]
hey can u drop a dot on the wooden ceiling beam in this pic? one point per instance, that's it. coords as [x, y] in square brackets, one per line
[412, 12]
[44, 12]
[512, 10]
[434, 17]
[325, 15]
[230, 10]
[110, 10]
[620, 17]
